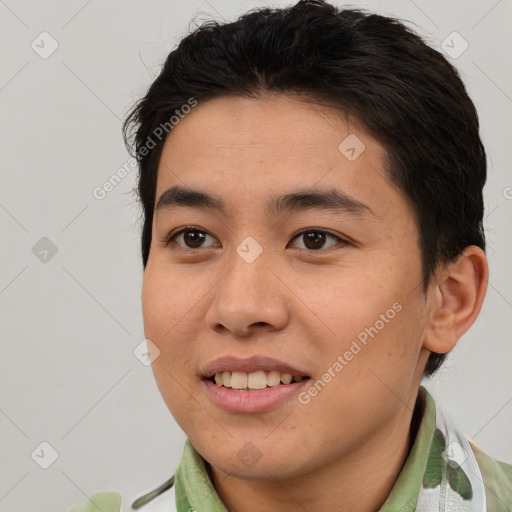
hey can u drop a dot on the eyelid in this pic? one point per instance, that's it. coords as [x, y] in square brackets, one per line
[320, 230]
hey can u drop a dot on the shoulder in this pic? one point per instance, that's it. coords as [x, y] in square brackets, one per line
[497, 476]
[160, 500]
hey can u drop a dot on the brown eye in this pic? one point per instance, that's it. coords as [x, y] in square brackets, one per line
[192, 238]
[314, 239]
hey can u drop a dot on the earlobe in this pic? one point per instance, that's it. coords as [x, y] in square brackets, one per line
[455, 299]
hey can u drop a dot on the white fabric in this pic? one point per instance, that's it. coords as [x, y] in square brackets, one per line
[442, 498]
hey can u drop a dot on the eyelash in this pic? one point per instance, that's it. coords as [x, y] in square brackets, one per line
[171, 238]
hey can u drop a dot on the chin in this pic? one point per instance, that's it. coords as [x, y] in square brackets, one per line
[247, 464]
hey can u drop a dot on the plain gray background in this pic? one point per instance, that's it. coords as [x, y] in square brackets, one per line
[70, 321]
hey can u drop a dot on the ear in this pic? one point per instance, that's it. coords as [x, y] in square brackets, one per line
[455, 297]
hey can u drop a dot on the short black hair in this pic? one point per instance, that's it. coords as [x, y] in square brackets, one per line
[405, 93]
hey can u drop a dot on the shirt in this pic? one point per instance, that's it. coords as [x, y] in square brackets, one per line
[443, 472]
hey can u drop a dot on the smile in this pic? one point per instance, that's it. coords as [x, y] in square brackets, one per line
[255, 380]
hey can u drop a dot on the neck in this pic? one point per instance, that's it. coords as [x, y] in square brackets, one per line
[361, 481]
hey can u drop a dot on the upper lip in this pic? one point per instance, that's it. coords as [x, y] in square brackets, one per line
[250, 365]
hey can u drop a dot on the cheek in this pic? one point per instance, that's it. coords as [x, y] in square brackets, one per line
[164, 303]
[353, 300]
[372, 317]
[165, 322]
[178, 394]
[161, 319]
[172, 315]
[151, 300]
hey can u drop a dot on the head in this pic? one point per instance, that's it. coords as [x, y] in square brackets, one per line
[300, 102]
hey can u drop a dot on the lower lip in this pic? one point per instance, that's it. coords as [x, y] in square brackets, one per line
[260, 400]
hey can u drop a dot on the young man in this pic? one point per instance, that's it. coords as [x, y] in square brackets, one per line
[311, 182]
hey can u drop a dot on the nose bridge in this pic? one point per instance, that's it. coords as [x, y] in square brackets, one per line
[248, 272]
[249, 293]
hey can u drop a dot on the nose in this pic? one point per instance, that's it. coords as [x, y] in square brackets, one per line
[250, 297]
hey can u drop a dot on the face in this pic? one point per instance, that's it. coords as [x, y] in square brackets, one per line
[333, 292]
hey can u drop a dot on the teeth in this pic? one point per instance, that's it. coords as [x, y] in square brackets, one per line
[286, 378]
[226, 379]
[239, 380]
[255, 380]
[273, 378]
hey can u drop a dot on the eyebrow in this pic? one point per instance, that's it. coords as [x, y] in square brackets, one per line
[331, 199]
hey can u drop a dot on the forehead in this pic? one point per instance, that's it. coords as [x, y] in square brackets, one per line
[239, 149]
[233, 123]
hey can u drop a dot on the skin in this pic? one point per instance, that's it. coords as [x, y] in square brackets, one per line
[344, 449]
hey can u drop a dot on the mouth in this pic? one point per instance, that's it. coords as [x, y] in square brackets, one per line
[254, 381]
[259, 391]
[255, 384]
